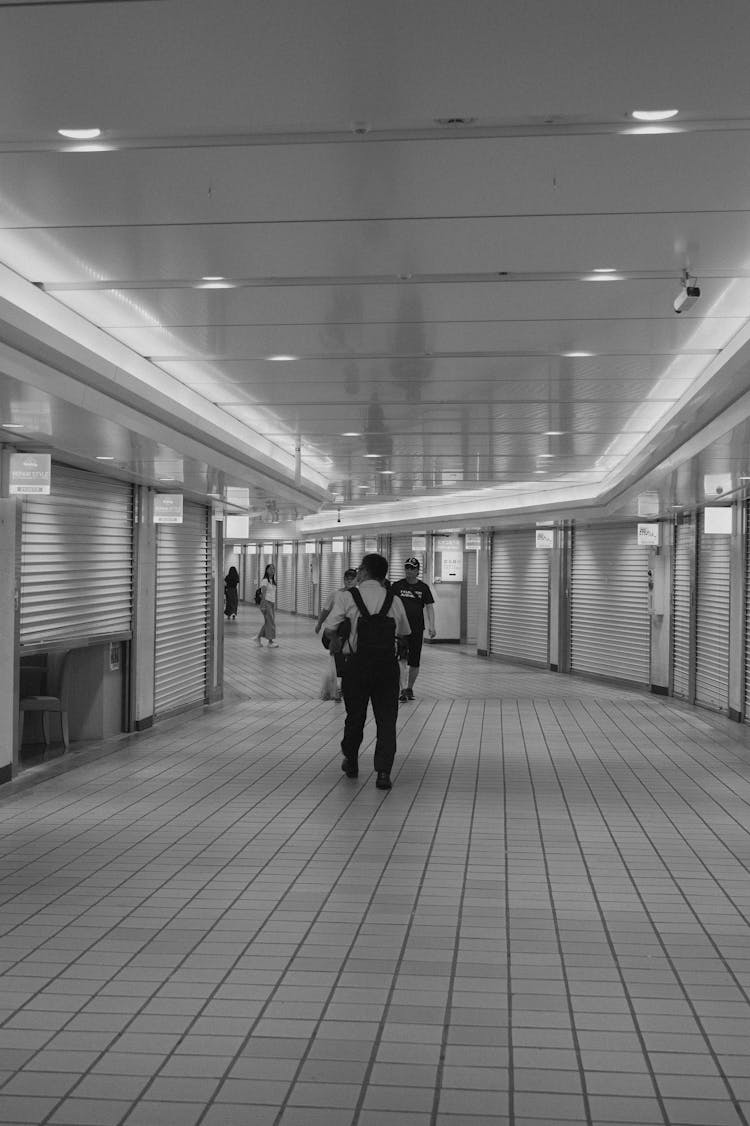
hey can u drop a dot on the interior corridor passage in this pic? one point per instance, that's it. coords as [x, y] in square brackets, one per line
[545, 921]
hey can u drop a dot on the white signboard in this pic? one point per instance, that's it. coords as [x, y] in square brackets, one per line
[30, 474]
[287, 549]
[237, 527]
[649, 535]
[717, 521]
[648, 504]
[251, 549]
[371, 545]
[449, 544]
[419, 543]
[337, 545]
[473, 541]
[545, 538]
[168, 508]
[310, 547]
[452, 566]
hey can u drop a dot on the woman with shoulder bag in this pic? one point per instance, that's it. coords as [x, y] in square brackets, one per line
[268, 608]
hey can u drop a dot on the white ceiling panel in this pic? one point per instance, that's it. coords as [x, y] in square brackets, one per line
[413, 200]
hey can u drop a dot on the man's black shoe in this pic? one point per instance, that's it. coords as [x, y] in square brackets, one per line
[350, 768]
[409, 694]
[403, 697]
[383, 781]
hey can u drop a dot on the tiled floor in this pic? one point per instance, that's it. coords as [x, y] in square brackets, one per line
[544, 922]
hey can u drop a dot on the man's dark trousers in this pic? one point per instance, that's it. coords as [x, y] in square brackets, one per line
[363, 682]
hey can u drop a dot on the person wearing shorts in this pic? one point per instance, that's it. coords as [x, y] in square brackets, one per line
[420, 610]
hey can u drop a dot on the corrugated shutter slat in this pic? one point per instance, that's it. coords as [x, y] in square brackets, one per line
[182, 611]
[610, 622]
[77, 559]
[519, 598]
[712, 621]
[684, 547]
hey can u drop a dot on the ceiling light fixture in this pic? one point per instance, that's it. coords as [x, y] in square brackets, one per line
[654, 114]
[604, 270]
[373, 455]
[12, 426]
[576, 355]
[351, 434]
[80, 134]
[104, 457]
[553, 433]
[217, 283]
[282, 359]
[390, 472]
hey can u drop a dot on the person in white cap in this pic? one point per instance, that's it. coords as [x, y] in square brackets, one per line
[420, 610]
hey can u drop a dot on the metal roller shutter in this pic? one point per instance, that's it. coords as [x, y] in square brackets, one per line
[712, 621]
[356, 550]
[682, 608]
[610, 621]
[472, 595]
[331, 572]
[77, 560]
[519, 598]
[182, 611]
[746, 712]
[400, 549]
[304, 581]
[285, 582]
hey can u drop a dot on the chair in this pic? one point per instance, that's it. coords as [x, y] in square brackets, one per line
[50, 704]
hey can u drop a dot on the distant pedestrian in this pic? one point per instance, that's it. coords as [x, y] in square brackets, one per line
[231, 601]
[330, 688]
[371, 673]
[268, 608]
[419, 605]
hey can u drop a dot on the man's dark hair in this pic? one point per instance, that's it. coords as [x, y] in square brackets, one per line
[376, 566]
[350, 573]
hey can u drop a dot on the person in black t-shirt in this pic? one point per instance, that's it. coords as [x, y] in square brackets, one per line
[420, 610]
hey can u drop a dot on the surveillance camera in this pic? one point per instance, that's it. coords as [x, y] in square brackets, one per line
[719, 490]
[686, 298]
[360, 128]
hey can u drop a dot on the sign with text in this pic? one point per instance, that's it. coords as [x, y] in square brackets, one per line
[30, 474]
[451, 566]
[545, 538]
[649, 535]
[473, 541]
[337, 545]
[371, 545]
[168, 508]
[419, 543]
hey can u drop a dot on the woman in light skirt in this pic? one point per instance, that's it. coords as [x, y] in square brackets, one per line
[268, 608]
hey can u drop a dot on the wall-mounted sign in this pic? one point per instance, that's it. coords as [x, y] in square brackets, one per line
[716, 484]
[251, 549]
[717, 521]
[419, 543]
[371, 545]
[268, 549]
[168, 508]
[30, 474]
[545, 538]
[649, 535]
[287, 548]
[115, 656]
[451, 566]
[310, 546]
[648, 504]
[236, 527]
[337, 545]
[448, 543]
[473, 541]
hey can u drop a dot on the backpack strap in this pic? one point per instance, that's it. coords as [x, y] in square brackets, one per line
[382, 612]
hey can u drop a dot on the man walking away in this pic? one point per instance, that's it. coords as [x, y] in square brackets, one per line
[419, 605]
[371, 674]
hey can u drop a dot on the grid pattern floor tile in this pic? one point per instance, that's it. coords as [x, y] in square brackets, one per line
[546, 921]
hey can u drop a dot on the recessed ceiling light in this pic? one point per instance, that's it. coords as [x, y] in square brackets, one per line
[282, 358]
[213, 277]
[104, 457]
[390, 472]
[654, 114]
[373, 455]
[351, 434]
[80, 134]
[576, 355]
[12, 426]
[553, 433]
[545, 455]
[215, 283]
[604, 270]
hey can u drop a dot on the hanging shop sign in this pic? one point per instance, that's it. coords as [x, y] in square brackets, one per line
[419, 543]
[168, 508]
[337, 545]
[30, 474]
[371, 545]
[545, 538]
[473, 541]
[717, 521]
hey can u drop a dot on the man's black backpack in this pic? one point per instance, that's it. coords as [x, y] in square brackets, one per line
[376, 633]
